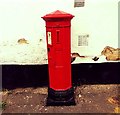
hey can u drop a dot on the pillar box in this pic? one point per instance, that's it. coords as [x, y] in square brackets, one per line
[58, 37]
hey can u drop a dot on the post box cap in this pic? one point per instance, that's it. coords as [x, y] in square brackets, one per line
[58, 14]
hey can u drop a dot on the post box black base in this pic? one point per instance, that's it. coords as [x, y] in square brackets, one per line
[60, 98]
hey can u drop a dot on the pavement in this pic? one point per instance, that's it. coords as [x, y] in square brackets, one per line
[97, 98]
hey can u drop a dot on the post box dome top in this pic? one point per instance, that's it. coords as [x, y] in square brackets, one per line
[58, 14]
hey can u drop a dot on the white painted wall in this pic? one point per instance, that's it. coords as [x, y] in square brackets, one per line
[22, 19]
[99, 19]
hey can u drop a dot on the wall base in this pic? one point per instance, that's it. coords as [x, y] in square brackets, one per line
[60, 98]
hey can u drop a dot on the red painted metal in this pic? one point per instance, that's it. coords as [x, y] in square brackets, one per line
[58, 36]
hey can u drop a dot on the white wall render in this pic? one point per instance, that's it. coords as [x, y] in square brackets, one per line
[98, 19]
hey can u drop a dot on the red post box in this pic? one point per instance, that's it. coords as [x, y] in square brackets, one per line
[58, 36]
